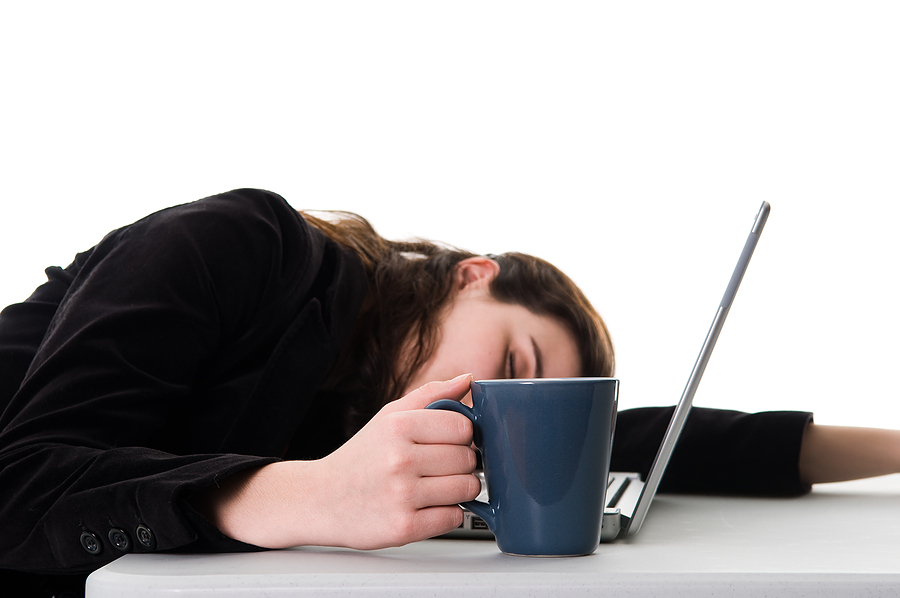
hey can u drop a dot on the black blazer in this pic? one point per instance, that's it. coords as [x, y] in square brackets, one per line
[177, 351]
[190, 345]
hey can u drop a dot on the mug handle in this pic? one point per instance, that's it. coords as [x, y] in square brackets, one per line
[481, 509]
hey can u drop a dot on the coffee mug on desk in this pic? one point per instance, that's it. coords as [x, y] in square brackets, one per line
[546, 446]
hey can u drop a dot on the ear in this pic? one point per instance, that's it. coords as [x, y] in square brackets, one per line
[476, 272]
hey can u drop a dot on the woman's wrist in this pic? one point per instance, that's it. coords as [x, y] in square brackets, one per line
[264, 506]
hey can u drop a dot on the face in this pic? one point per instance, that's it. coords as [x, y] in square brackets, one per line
[489, 339]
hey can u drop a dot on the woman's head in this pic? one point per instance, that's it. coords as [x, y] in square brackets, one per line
[412, 290]
[491, 339]
[521, 319]
[543, 289]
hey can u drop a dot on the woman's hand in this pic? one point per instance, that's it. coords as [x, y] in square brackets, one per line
[398, 480]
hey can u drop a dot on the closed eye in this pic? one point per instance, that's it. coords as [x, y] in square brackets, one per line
[538, 360]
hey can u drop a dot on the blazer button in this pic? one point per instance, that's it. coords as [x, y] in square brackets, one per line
[145, 537]
[119, 539]
[91, 543]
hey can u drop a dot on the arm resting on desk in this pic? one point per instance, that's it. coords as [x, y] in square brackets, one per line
[396, 481]
[838, 453]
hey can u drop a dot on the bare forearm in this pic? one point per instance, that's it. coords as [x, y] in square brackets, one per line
[837, 453]
[398, 480]
[259, 506]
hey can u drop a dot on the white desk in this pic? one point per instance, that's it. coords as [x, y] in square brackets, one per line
[841, 540]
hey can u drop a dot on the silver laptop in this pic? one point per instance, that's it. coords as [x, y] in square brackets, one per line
[628, 498]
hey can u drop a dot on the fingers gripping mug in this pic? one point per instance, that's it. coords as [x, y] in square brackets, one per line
[546, 447]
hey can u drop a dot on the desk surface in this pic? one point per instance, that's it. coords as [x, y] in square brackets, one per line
[842, 539]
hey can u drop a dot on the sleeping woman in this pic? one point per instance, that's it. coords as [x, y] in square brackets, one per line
[232, 375]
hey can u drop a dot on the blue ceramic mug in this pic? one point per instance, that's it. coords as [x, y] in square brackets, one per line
[546, 446]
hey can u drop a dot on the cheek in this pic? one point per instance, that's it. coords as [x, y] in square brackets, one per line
[480, 352]
[488, 356]
[488, 365]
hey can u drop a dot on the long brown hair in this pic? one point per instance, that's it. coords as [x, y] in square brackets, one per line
[410, 284]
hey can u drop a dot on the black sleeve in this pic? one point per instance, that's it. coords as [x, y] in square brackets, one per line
[719, 451]
[141, 316]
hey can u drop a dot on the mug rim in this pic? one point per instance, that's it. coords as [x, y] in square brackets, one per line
[573, 380]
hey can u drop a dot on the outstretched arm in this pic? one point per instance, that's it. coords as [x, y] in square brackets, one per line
[838, 453]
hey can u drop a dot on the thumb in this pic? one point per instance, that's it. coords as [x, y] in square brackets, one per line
[455, 389]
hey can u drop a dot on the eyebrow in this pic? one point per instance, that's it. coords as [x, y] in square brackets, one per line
[539, 360]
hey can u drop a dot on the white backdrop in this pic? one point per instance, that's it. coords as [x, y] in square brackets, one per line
[629, 143]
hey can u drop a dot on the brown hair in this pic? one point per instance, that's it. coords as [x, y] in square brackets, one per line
[410, 283]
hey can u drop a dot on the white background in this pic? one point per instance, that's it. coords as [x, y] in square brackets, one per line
[630, 143]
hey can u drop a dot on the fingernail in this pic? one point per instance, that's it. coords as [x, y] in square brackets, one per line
[461, 376]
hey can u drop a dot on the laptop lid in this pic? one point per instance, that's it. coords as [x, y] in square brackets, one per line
[684, 405]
